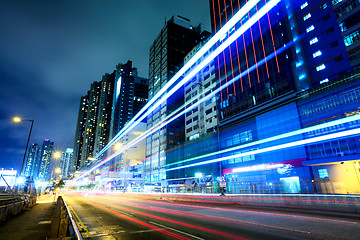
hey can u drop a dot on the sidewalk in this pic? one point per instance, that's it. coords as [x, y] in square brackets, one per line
[32, 224]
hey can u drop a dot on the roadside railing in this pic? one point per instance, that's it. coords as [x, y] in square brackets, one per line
[63, 225]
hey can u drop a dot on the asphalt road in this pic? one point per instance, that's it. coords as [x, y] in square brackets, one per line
[113, 216]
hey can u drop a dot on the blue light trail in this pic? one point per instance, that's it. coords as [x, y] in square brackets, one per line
[236, 18]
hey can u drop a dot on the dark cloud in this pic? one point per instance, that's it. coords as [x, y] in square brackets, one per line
[51, 51]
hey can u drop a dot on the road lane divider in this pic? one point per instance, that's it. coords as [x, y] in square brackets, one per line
[84, 232]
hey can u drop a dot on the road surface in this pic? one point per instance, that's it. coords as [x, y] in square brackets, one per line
[113, 216]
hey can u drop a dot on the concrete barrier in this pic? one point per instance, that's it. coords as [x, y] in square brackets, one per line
[63, 225]
[11, 204]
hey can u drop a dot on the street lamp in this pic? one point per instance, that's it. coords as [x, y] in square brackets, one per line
[17, 119]
[57, 155]
[118, 146]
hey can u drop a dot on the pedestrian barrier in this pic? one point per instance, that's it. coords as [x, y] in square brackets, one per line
[63, 225]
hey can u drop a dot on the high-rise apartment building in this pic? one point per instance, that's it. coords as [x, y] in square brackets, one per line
[79, 133]
[104, 113]
[201, 125]
[90, 123]
[202, 119]
[32, 161]
[130, 95]
[45, 161]
[167, 54]
[65, 162]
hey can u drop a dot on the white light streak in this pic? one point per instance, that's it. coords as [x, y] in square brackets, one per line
[138, 118]
[236, 18]
[277, 147]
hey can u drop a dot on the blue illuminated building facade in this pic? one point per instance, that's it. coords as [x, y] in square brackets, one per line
[45, 160]
[272, 105]
[32, 161]
[301, 56]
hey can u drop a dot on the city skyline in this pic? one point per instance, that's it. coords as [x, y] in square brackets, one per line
[46, 67]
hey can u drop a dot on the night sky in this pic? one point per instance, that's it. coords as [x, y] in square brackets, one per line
[51, 51]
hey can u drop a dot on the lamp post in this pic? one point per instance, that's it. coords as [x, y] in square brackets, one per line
[17, 119]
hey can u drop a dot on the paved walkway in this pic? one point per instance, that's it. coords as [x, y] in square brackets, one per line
[32, 224]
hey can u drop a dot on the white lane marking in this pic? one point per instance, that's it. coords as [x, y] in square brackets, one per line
[175, 230]
[271, 226]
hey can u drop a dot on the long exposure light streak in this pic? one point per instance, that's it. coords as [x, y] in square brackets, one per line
[173, 117]
[277, 147]
[259, 14]
[236, 18]
[274, 138]
[203, 216]
[174, 235]
[173, 205]
[133, 122]
[191, 226]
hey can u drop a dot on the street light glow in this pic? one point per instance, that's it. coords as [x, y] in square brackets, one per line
[17, 119]
[118, 146]
[57, 155]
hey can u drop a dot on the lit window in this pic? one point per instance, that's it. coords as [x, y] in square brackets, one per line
[314, 40]
[317, 53]
[323, 173]
[309, 29]
[304, 5]
[334, 2]
[342, 26]
[320, 67]
[307, 16]
[351, 38]
[324, 81]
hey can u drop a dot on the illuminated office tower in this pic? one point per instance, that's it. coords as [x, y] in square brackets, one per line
[167, 54]
[295, 62]
[45, 160]
[32, 161]
[347, 13]
[79, 133]
[260, 75]
[330, 36]
[331, 41]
